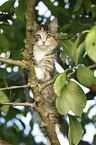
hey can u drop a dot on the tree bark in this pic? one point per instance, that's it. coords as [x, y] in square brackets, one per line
[46, 123]
[2, 142]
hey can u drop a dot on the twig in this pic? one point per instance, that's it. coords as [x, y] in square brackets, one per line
[90, 95]
[68, 76]
[72, 73]
[14, 62]
[92, 66]
[14, 87]
[6, 16]
[32, 105]
[46, 84]
[3, 142]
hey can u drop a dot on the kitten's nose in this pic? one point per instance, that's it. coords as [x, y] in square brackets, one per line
[43, 42]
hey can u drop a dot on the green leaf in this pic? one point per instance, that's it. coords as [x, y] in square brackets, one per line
[6, 6]
[62, 104]
[66, 27]
[66, 45]
[78, 47]
[63, 57]
[85, 76]
[59, 83]
[20, 10]
[74, 52]
[16, 55]
[4, 42]
[63, 36]
[93, 11]
[77, 5]
[4, 99]
[13, 29]
[2, 73]
[72, 98]
[90, 44]
[87, 4]
[81, 50]
[75, 130]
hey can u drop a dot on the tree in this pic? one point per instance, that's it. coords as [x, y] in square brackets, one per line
[76, 53]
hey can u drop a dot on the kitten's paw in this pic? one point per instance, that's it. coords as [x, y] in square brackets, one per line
[39, 73]
[42, 74]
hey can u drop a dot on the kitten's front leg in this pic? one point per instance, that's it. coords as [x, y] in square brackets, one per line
[39, 73]
[42, 74]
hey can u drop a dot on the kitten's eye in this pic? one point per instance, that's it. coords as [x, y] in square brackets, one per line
[37, 36]
[48, 36]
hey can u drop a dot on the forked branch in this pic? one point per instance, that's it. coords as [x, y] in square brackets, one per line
[14, 62]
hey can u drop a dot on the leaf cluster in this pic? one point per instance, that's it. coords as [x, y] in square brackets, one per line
[76, 51]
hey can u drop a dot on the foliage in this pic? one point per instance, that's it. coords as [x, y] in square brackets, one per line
[71, 98]
[76, 52]
[4, 98]
[75, 130]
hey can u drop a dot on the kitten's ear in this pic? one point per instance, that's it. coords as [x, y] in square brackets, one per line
[36, 26]
[53, 25]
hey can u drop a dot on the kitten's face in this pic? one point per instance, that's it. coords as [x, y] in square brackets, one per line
[44, 39]
[46, 36]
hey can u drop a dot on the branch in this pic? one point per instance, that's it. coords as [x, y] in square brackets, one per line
[32, 105]
[72, 73]
[83, 143]
[44, 85]
[6, 16]
[14, 62]
[92, 66]
[93, 88]
[90, 95]
[32, 79]
[3, 142]
[14, 87]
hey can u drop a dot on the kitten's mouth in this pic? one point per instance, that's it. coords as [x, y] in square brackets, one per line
[44, 45]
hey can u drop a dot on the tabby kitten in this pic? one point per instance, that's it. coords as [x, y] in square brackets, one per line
[44, 54]
[44, 49]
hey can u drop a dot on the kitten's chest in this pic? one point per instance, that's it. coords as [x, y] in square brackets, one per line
[38, 54]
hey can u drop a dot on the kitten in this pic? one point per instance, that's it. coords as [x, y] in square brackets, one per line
[44, 49]
[44, 54]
